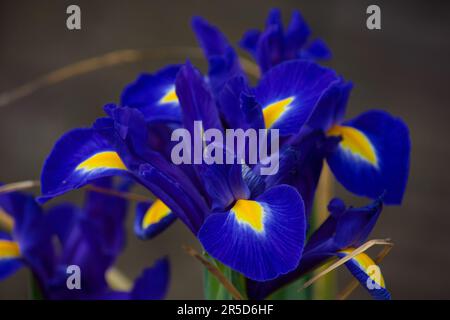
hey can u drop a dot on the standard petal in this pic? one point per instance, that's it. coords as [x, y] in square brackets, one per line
[289, 92]
[152, 219]
[261, 238]
[154, 95]
[373, 157]
[368, 274]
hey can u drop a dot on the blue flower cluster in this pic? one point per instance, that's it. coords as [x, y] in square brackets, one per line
[254, 224]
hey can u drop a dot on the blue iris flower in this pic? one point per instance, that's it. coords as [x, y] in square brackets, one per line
[274, 45]
[90, 238]
[254, 224]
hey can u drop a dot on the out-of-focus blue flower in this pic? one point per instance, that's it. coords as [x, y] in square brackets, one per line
[343, 231]
[274, 45]
[90, 238]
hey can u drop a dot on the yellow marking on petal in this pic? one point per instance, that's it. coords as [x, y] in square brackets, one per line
[157, 211]
[9, 249]
[275, 110]
[102, 160]
[170, 97]
[356, 142]
[249, 212]
[365, 263]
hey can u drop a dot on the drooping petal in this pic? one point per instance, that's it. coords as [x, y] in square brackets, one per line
[368, 274]
[30, 231]
[261, 238]
[152, 219]
[300, 165]
[373, 157]
[153, 284]
[78, 158]
[154, 95]
[10, 257]
[289, 92]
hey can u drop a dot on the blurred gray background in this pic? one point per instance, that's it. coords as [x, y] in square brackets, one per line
[403, 69]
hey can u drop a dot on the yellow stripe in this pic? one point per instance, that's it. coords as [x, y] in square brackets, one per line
[275, 110]
[170, 97]
[9, 249]
[249, 212]
[102, 160]
[356, 142]
[365, 262]
[157, 211]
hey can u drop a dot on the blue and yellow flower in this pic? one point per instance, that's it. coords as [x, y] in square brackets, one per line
[90, 238]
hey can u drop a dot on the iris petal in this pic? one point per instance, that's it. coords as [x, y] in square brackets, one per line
[373, 156]
[154, 95]
[261, 238]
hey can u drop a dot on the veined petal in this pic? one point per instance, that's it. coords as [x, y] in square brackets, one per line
[154, 95]
[261, 238]
[373, 156]
[9, 256]
[78, 158]
[152, 219]
[289, 92]
[368, 274]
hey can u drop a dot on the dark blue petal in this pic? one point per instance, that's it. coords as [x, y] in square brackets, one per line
[316, 50]
[10, 258]
[345, 227]
[196, 100]
[367, 273]
[261, 238]
[78, 158]
[153, 284]
[223, 60]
